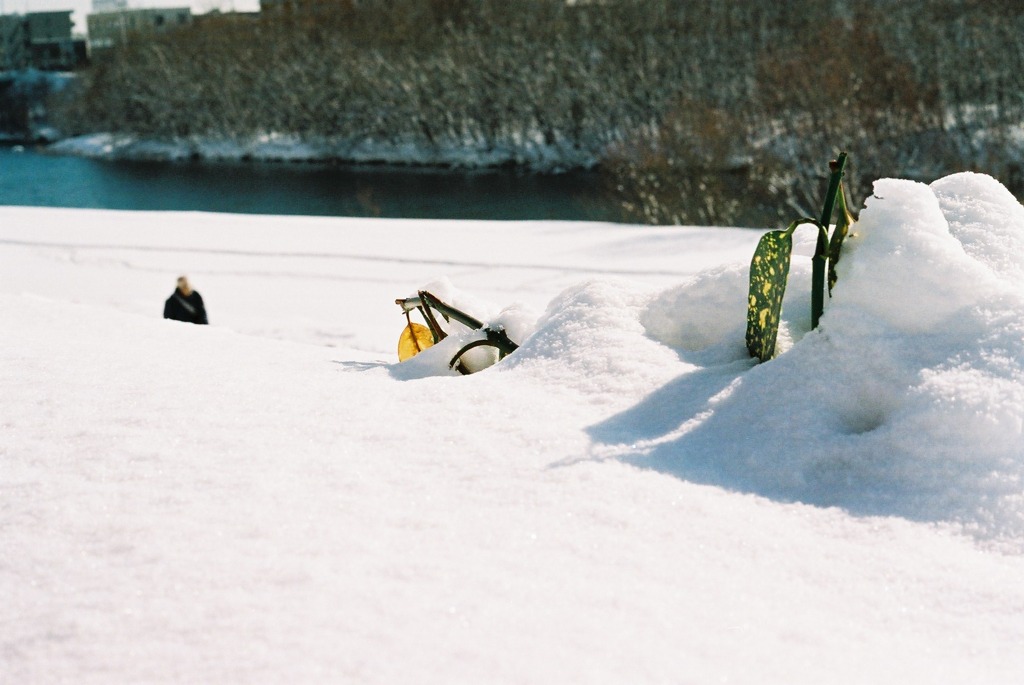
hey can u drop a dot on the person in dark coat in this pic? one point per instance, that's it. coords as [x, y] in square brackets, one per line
[185, 304]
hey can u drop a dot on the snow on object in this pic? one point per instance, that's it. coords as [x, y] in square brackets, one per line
[460, 322]
[908, 401]
[909, 398]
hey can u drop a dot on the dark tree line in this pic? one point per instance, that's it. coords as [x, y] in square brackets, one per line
[914, 88]
[699, 111]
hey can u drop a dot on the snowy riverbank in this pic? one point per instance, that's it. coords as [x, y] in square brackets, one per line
[531, 154]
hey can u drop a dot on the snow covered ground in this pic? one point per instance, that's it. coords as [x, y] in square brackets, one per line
[626, 498]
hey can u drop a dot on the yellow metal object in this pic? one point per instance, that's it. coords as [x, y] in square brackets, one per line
[414, 339]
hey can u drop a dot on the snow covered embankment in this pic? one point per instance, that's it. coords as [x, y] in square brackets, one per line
[907, 401]
[528, 152]
[909, 398]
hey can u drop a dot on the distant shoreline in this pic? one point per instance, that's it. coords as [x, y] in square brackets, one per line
[530, 157]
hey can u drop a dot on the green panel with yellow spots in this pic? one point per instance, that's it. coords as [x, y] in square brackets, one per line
[769, 270]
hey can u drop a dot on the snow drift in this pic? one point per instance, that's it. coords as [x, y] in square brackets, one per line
[908, 401]
[626, 498]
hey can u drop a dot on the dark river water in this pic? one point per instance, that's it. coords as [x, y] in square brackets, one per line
[30, 177]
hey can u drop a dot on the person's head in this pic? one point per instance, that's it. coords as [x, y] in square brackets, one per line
[184, 286]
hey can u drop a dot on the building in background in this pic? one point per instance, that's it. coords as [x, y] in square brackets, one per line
[40, 40]
[13, 43]
[51, 44]
[101, 6]
[108, 29]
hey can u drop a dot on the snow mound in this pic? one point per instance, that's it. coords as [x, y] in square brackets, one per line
[986, 219]
[590, 340]
[909, 398]
[907, 401]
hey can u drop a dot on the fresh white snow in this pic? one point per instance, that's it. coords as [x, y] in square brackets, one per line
[627, 498]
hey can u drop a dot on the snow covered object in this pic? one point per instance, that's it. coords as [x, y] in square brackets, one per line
[907, 400]
[416, 337]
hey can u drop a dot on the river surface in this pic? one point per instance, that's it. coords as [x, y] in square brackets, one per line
[29, 177]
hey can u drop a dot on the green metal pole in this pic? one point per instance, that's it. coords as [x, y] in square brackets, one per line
[821, 251]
